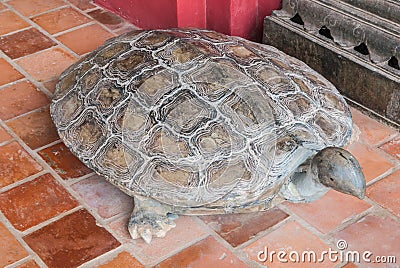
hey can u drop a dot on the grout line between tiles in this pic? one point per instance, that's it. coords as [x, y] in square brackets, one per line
[6, 142]
[177, 250]
[265, 232]
[117, 216]
[127, 246]
[386, 140]
[377, 117]
[120, 239]
[347, 222]
[88, 16]
[384, 175]
[237, 251]
[379, 151]
[17, 31]
[326, 238]
[81, 202]
[28, 77]
[99, 260]
[25, 180]
[19, 262]
[382, 211]
[18, 237]
[44, 107]
[51, 37]
[37, 150]
[31, 17]
[72, 181]
[62, 182]
[16, 60]
[24, 79]
[69, 30]
[51, 220]
[40, 29]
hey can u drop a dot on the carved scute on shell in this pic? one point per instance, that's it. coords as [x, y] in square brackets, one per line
[196, 118]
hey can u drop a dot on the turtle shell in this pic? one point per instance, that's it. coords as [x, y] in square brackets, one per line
[195, 118]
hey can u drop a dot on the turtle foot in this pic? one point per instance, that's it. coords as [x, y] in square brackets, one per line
[150, 219]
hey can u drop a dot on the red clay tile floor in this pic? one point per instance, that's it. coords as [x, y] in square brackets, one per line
[55, 212]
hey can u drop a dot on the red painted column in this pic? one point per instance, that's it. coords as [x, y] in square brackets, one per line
[234, 17]
[219, 15]
[146, 14]
[244, 18]
[265, 8]
[191, 13]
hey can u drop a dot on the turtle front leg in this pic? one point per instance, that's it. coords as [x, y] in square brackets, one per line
[150, 218]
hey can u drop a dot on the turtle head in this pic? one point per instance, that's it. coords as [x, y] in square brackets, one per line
[338, 169]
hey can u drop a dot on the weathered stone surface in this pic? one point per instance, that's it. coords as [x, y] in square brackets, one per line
[355, 52]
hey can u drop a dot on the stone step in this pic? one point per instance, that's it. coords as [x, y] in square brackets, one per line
[387, 9]
[349, 43]
[384, 14]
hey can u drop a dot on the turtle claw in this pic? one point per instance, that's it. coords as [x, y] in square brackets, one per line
[148, 225]
[146, 234]
[148, 221]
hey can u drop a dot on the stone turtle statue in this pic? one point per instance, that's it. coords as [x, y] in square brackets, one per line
[195, 122]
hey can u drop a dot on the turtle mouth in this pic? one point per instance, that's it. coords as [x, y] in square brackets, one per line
[352, 187]
[338, 169]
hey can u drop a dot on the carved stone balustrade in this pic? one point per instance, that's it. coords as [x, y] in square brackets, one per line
[353, 43]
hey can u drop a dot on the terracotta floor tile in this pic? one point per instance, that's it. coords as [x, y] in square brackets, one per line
[60, 158]
[82, 4]
[21, 166]
[330, 211]
[381, 236]
[106, 199]
[51, 85]
[10, 249]
[85, 39]
[106, 18]
[239, 228]
[4, 136]
[16, 45]
[386, 192]
[392, 147]
[35, 201]
[10, 22]
[372, 131]
[20, 98]
[46, 65]
[372, 163]
[32, 7]
[186, 230]
[35, 129]
[71, 241]
[287, 238]
[29, 264]
[119, 227]
[7, 73]
[205, 253]
[125, 260]
[60, 20]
